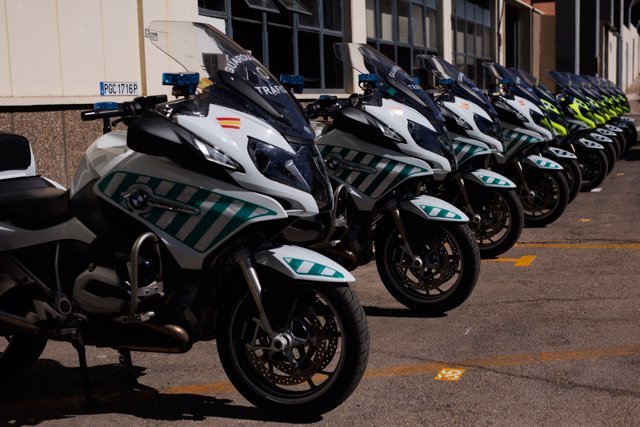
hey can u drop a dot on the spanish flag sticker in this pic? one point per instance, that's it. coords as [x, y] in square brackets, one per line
[229, 122]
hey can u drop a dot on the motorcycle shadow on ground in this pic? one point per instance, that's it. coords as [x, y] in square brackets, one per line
[50, 391]
[633, 154]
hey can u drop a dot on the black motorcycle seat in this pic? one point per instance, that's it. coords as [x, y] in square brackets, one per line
[33, 203]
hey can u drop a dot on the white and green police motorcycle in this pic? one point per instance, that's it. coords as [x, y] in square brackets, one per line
[379, 149]
[169, 236]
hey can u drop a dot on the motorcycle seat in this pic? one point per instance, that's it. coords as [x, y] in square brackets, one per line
[33, 203]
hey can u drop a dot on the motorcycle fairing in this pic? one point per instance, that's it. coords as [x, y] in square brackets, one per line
[192, 221]
[12, 237]
[540, 162]
[465, 111]
[467, 148]
[303, 264]
[564, 154]
[517, 139]
[433, 209]
[396, 116]
[488, 178]
[369, 170]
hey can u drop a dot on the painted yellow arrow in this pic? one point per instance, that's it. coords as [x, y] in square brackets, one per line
[523, 261]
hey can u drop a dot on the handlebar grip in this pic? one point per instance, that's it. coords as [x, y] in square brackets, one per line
[99, 114]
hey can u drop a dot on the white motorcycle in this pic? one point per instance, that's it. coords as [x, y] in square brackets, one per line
[379, 149]
[169, 236]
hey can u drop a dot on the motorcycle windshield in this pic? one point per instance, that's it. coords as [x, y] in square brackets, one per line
[565, 82]
[462, 86]
[392, 80]
[517, 86]
[235, 78]
[541, 90]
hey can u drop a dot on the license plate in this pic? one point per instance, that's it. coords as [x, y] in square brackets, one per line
[118, 88]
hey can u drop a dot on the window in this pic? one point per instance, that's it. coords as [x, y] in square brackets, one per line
[472, 40]
[402, 29]
[287, 40]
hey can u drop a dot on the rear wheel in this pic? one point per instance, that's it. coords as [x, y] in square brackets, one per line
[18, 351]
[548, 199]
[443, 275]
[314, 362]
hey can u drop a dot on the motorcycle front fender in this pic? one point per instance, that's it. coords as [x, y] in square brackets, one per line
[560, 153]
[584, 142]
[487, 178]
[540, 162]
[433, 209]
[303, 264]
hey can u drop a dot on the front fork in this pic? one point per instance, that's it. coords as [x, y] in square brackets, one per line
[467, 202]
[392, 207]
[525, 186]
[279, 341]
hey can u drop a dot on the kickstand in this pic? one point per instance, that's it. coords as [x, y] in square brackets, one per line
[78, 344]
[126, 362]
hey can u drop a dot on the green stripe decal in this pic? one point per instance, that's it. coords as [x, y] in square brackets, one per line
[209, 218]
[104, 183]
[381, 176]
[181, 218]
[436, 212]
[243, 215]
[310, 268]
[360, 179]
[128, 181]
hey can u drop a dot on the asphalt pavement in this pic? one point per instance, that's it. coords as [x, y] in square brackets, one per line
[550, 336]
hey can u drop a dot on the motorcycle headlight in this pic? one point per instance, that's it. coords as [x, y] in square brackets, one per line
[303, 170]
[215, 155]
[488, 127]
[454, 120]
[439, 144]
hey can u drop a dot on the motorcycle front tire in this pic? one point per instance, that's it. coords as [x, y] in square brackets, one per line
[450, 261]
[594, 166]
[322, 361]
[550, 199]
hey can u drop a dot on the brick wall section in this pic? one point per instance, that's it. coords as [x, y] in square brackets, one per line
[58, 139]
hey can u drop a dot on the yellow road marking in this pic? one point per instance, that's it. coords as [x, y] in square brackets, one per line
[579, 245]
[430, 368]
[449, 374]
[523, 261]
[584, 220]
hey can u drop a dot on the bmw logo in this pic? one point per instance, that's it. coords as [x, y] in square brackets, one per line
[138, 199]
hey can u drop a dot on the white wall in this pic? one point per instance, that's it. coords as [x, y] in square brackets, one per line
[630, 42]
[58, 51]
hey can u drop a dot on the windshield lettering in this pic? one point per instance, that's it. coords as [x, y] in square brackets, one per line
[233, 63]
[270, 90]
[394, 70]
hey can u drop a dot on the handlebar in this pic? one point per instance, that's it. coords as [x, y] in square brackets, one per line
[324, 106]
[129, 108]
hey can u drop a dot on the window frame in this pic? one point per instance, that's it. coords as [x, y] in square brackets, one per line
[296, 28]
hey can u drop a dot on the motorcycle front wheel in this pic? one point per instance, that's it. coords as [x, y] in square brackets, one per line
[314, 363]
[447, 269]
[573, 176]
[549, 197]
[500, 219]
[594, 165]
